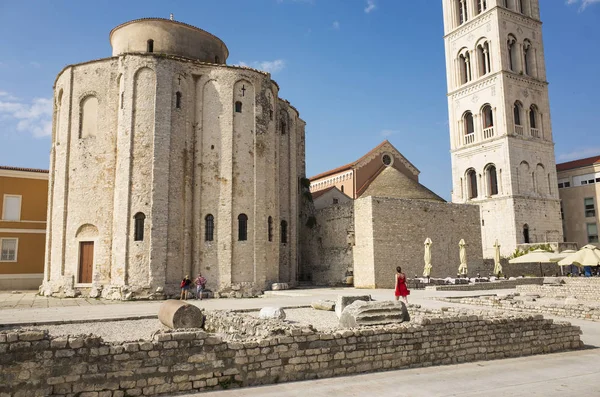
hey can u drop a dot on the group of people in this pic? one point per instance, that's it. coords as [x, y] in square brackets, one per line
[401, 290]
[186, 284]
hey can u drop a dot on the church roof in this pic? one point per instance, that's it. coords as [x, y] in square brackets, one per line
[319, 193]
[354, 163]
[578, 163]
[389, 182]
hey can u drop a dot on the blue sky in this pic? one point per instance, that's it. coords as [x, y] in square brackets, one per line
[359, 71]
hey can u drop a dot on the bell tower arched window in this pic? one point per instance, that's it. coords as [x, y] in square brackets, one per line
[526, 234]
[270, 228]
[527, 57]
[471, 184]
[178, 100]
[464, 62]
[209, 227]
[488, 116]
[139, 220]
[512, 53]
[150, 46]
[469, 124]
[492, 180]
[533, 117]
[483, 52]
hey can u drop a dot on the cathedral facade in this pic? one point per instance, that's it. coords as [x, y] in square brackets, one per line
[499, 115]
[167, 162]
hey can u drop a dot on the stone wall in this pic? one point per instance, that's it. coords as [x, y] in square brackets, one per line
[330, 255]
[391, 232]
[584, 288]
[492, 285]
[560, 309]
[34, 364]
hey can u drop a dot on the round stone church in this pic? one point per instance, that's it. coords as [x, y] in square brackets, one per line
[168, 162]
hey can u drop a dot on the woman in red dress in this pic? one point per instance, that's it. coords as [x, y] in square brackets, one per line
[401, 290]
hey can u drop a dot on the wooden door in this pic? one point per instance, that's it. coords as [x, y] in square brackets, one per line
[86, 261]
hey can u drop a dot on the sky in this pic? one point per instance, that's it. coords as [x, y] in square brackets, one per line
[359, 71]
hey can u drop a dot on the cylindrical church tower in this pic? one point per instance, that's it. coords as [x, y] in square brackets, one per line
[167, 162]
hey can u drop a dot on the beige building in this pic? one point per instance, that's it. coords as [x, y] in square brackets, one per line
[23, 206]
[500, 132]
[167, 162]
[579, 189]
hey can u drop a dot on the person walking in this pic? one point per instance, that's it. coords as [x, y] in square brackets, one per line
[200, 282]
[401, 289]
[185, 287]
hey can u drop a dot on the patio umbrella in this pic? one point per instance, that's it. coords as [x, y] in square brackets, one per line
[462, 269]
[588, 255]
[537, 256]
[497, 265]
[427, 270]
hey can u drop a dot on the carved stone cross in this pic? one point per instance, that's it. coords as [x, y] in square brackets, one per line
[243, 90]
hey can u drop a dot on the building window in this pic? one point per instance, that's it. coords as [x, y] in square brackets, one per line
[469, 124]
[465, 67]
[209, 227]
[592, 231]
[526, 234]
[11, 208]
[342, 189]
[8, 249]
[527, 52]
[270, 228]
[481, 6]
[283, 128]
[386, 159]
[178, 100]
[271, 114]
[590, 207]
[492, 180]
[488, 117]
[242, 227]
[150, 46]
[139, 226]
[533, 117]
[88, 117]
[472, 181]
[238, 107]
[217, 60]
[483, 51]
[284, 237]
[512, 52]
[462, 11]
[335, 200]
[517, 113]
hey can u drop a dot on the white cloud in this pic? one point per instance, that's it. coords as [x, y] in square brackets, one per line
[580, 153]
[34, 117]
[336, 25]
[371, 6]
[386, 133]
[583, 3]
[268, 66]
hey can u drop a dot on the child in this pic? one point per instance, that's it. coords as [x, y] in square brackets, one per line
[200, 283]
[185, 287]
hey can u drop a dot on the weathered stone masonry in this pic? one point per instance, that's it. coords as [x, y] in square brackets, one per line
[34, 364]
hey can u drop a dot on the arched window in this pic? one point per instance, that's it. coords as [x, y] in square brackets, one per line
[461, 6]
[238, 107]
[465, 67]
[88, 117]
[270, 228]
[469, 125]
[178, 100]
[483, 52]
[521, 6]
[283, 128]
[533, 124]
[242, 227]
[488, 116]
[150, 46]
[526, 234]
[138, 233]
[217, 60]
[284, 237]
[209, 227]
[527, 52]
[517, 113]
[472, 184]
[492, 180]
[512, 53]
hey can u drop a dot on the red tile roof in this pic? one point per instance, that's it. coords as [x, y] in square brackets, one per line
[319, 193]
[578, 163]
[2, 167]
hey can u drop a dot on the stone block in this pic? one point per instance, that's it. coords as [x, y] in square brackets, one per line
[177, 314]
[272, 313]
[324, 305]
[345, 300]
[280, 286]
[361, 313]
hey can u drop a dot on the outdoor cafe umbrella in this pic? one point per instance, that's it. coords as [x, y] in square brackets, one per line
[497, 265]
[462, 269]
[427, 270]
[588, 255]
[537, 256]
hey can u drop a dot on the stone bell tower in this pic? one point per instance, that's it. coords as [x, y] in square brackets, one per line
[499, 115]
